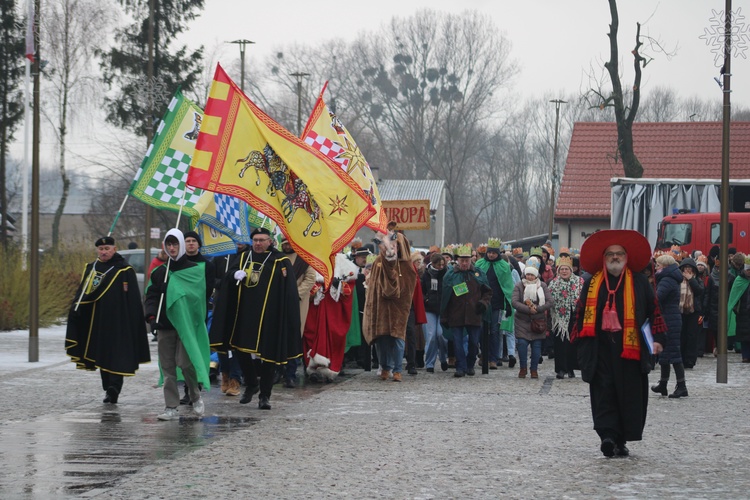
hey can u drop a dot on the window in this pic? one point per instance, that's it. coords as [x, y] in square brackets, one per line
[716, 231]
[678, 234]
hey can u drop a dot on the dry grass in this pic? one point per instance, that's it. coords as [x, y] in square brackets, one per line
[59, 275]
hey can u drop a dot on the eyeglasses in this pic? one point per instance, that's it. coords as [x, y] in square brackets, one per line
[609, 255]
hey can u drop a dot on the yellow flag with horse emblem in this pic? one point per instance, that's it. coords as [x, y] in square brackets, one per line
[326, 133]
[244, 153]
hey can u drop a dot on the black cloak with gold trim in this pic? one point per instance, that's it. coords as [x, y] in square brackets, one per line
[108, 330]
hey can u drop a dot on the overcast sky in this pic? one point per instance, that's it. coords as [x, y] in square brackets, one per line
[555, 41]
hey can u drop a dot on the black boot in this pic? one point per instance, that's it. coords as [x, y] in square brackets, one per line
[660, 388]
[511, 361]
[247, 396]
[680, 391]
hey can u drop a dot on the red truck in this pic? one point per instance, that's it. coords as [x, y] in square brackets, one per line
[700, 231]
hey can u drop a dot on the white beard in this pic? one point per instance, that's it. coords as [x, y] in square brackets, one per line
[615, 268]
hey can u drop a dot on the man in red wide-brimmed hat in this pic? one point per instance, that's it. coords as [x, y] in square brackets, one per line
[616, 310]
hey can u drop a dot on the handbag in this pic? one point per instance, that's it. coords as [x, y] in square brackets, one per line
[539, 325]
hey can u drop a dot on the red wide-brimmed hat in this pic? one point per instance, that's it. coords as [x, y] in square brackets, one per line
[637, 246]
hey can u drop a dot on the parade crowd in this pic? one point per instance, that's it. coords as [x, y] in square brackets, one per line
[612, 311]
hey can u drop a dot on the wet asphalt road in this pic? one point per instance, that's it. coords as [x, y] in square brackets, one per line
[430, 436]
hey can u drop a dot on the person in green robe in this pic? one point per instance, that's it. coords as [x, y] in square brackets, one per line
[176, 308]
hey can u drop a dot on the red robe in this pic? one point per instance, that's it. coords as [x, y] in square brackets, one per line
[324, 340]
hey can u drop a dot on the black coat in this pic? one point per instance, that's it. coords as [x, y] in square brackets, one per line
[668, 280]
[432, 288]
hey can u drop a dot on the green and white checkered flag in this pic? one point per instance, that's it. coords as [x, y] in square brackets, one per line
[160, 180]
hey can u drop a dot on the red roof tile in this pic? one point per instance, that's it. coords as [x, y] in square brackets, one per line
[671, 150]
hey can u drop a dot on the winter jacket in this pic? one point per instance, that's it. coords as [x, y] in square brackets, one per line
[464, 309]
[523, 315]
[432, 288]
[695, 283]
[668, 281]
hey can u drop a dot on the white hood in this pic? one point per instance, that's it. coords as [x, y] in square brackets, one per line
[180, 239]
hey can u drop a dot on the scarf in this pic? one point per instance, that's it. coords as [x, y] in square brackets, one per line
[686, 298]
[631, 347]
[565, 294]
[738, 290]
[533, 292]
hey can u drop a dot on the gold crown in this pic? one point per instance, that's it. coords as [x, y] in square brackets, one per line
[463, 251]
[448, 249]
[564, 261]
[371, 258]
[494, 243]
[482, 248]
[536, 251]
[518, 251]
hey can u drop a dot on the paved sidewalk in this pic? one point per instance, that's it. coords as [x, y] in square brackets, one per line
[430, 436]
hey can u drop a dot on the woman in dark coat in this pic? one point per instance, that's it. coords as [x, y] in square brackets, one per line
[668, 279]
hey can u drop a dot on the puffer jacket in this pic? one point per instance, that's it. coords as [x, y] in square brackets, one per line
[523, 315]
[668, 280]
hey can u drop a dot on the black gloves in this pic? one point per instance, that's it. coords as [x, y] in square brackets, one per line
[480, 308]
[508, 312]
[335, 283]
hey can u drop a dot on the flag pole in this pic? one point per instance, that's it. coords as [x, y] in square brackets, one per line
[117, 216]
[169, 260]
[26, 165]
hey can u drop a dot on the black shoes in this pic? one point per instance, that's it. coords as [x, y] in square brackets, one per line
[608, 447]
[412, 371]
[560, 375]
[263, 403]
[459, 374]
[111, 396]
[429, 370]
[470, 372]
[289, 383]
[247, 396]
[679, 392]
[511, 361]
[571, 374]
[622, 450]
[660, 388]
[444, 366]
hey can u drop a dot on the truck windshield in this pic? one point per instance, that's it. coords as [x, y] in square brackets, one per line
[716, 233]
[677, 234]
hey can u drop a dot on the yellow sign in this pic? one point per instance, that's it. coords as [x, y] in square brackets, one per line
[408, 214]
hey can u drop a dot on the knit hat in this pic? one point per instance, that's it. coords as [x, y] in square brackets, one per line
[531, 270]
[193, 234]
[738, 259]
[533, 262]
[701, 260]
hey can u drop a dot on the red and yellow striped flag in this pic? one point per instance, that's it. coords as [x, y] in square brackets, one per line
[244, 153]
[326, 133]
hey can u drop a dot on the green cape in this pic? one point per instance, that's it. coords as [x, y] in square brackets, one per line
[738, 289]
[503, 272]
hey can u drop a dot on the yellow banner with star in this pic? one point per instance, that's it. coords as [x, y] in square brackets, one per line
[244, 153]
[326, 133]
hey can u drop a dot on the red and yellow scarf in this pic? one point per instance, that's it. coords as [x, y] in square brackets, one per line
[631, 347]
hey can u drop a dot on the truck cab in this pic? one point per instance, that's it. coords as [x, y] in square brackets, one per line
[700, 231]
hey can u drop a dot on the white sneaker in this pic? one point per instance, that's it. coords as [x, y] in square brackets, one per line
[199, 407]
[169, 414]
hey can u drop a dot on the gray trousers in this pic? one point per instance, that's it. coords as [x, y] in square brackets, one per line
[171, 355]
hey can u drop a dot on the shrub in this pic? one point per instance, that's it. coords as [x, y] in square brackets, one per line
[59, 276]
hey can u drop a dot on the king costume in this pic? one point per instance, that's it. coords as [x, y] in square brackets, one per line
[106, 329]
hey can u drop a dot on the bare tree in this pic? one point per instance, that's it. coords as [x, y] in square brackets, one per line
[72, 29]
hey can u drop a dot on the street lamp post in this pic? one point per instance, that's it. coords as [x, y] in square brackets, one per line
[558, 103]
[243, 45]
[299, 76]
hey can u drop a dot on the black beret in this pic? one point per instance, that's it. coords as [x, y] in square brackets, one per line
[104, 240]
[260, 230]
[193, 234]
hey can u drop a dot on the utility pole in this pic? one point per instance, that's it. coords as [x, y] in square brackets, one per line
[34, 253]
[558, 103]
[243, 44]
[721, 337]
[149, 123]
[299, 76]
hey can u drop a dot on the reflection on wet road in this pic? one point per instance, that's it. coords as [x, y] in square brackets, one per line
[81, 452]
[84, 450]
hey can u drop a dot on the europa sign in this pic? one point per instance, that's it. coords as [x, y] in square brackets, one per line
[408, 214]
